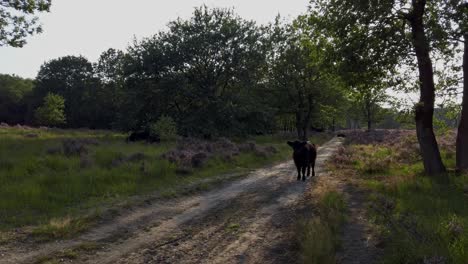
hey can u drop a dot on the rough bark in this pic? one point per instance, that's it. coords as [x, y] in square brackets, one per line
[369, 117]
[462, 135]
[303, 117]
[298, 125]
[305, 135]
[433, 164]
[368, 109]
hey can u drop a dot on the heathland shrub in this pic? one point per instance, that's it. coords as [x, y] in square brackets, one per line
[247, 146]
[342, 158]
[264, 151]
[54, 150]
[199, 159]
[139, 156]
[374, 159]
[194, 153]
[86, 161]
[165, 128]
[73, 147]
[386, 136]
[76, 146]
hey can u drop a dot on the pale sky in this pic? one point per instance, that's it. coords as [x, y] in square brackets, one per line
[89, 27]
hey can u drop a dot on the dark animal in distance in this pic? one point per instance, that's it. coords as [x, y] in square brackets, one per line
[142, 136]
[341, 135]
[304, 156]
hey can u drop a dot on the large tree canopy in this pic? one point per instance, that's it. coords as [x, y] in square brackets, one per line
[18, 20]
[302, 81]
[204, 72]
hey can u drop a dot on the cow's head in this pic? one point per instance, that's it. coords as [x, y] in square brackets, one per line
[296, 145]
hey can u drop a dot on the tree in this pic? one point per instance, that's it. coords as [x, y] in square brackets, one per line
[462, 135]
[455, 26]
[206, 72]
[304, 85]
[51, 112]
[424, 110]
[72, 78]
[296, 81]
[369, 99]
[364, 71]
[386, 23]
[110, 91]
[14, 92]
[221, 57]
[17, 20]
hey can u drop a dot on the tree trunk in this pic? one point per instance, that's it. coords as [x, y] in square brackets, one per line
[369, 117]
[368, 110]
[299, 131]
[462, 135]
[305, 135]
[298, 125]
[433, 164]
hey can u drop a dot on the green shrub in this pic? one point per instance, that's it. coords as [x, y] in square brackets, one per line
[165, 128]
[51, 112]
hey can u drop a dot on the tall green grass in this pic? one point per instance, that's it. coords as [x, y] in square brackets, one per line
[430, 219]
[318, 237]
[421, 219]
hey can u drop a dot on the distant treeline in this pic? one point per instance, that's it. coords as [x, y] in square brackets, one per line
[213, 74]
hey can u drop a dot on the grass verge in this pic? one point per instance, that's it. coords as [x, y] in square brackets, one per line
[318, 237]
[420, 219]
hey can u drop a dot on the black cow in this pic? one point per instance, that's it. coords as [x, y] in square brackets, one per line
[143, 136]
[304, 157]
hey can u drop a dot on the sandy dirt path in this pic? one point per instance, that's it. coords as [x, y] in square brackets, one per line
[246, 221]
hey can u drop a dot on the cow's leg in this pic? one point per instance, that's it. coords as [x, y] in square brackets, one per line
[304, 173]
[298, 173]
[313, 168]
[308, 170]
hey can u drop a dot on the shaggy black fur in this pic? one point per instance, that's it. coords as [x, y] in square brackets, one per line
[304, 156]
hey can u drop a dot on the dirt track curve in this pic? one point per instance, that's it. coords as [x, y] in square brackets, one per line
[246, 221]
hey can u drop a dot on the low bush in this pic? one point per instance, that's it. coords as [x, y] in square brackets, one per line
[165, 128]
